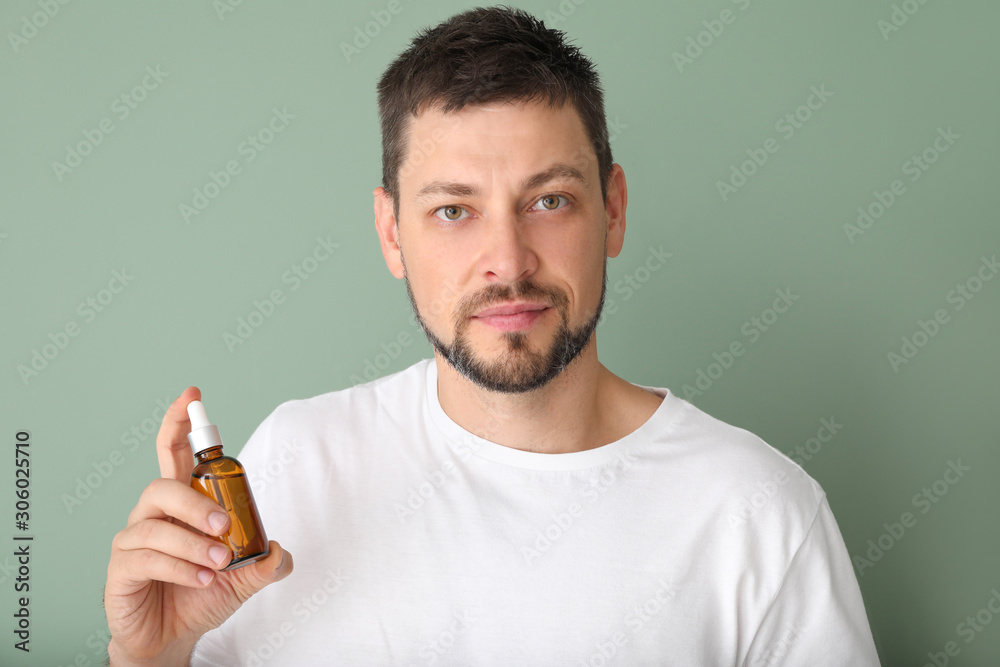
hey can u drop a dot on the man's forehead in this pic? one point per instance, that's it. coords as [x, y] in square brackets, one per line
[434, 129]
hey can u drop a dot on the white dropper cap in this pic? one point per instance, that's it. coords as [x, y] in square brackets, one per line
[198, 416]
[203, 434]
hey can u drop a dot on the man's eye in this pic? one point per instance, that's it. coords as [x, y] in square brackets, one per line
[451, 213]
[454, 213]
[551, 202]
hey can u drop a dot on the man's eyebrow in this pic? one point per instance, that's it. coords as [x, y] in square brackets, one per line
[556, 171]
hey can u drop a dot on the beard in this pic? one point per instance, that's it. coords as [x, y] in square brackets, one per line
[517, 368]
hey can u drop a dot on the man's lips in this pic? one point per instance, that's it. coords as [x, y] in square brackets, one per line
[511, 316]
[511, 309]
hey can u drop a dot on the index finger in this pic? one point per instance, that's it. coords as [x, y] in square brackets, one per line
[173, 451]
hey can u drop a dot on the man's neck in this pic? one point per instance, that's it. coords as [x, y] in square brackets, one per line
[584, 407]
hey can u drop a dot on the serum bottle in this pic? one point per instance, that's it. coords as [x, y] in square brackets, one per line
[223, 479]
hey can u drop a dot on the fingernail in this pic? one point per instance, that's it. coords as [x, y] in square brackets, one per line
[218, 554]
[217, 520]
[205, 577]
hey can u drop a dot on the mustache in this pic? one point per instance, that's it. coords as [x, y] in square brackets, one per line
[496, 294]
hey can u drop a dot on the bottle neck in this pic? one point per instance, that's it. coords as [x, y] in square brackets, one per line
[209, 454]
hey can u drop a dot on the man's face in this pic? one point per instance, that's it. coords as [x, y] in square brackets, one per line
[503, 240]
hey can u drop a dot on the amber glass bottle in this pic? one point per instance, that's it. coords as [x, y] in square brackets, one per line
[223, 479]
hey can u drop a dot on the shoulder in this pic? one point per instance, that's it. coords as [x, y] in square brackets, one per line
[745, 478]
[337, 415]
[409, 382]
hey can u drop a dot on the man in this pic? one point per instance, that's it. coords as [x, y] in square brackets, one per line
[512, 501]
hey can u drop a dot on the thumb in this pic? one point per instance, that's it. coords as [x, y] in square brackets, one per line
[173, 451]
[250, 579]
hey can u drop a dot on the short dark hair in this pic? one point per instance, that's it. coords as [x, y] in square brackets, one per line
[484, 55]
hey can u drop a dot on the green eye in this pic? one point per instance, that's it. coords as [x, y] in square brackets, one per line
[451, 213]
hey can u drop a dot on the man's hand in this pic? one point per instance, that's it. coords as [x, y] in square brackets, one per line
[163, 590]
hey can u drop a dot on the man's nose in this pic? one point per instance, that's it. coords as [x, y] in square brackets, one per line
[508, 256]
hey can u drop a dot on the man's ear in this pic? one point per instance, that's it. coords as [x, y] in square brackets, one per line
[614, 207]
[388, 232]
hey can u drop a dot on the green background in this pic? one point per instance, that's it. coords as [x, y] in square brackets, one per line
[678, 131]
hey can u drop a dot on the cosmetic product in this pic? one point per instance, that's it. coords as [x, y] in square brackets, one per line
[223, 479]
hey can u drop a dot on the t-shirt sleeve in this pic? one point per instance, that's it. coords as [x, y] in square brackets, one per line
[817, 617]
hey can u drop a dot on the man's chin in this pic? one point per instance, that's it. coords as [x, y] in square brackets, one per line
[497, 345]
[509, 371]
[506, 382]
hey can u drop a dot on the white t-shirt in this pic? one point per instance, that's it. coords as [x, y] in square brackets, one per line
[688, 542]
